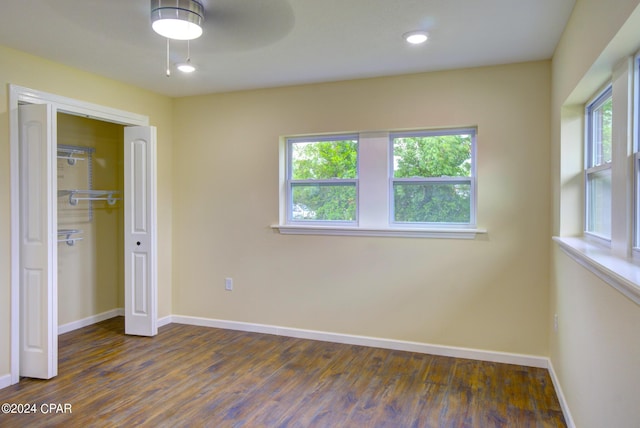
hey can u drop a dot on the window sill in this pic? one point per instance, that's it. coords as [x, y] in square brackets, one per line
[621, 273]
[444, 233]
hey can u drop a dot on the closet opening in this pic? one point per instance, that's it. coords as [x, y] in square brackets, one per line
[90, 244]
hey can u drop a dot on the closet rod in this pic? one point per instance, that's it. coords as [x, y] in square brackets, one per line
[92, 195]
[74, 200]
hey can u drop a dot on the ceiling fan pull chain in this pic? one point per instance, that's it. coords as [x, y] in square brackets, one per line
[168, 65]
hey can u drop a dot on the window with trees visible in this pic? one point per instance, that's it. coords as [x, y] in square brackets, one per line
[598, 149]
[382, 180]
[433, 177]
[323, 179]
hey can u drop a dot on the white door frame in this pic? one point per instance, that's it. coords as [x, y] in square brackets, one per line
[22, 95]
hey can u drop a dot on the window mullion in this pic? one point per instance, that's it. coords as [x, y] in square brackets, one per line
[598, 168]
[333, 181]
[432, 179]
[373, 174]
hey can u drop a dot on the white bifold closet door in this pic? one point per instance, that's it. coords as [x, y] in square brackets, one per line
[38, 237]
[140, 246]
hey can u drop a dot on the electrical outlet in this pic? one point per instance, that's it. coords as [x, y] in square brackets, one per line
[555, 323]
[228, 284]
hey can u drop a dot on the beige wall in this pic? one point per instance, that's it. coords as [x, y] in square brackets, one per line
[218, 191]
[490, 293]
[596, 350]
[26, 70]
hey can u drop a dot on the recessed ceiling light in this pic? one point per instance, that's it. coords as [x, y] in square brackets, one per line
[415, 37]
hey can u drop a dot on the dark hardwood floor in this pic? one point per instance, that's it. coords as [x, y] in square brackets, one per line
[199, 376]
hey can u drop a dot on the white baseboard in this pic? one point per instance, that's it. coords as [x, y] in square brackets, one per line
[90, 320]
[118, 312]
[400, 345]
[164, 321]
[561, 398]
[5, 381]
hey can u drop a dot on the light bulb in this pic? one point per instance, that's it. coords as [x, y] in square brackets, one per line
[177, 29]
[186, 67]
[416, 37]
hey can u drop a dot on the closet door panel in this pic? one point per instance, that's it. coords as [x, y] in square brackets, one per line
[140, 264]
[38, 257]
[140, 231]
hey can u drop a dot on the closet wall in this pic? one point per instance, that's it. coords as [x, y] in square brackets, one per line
[90, 270]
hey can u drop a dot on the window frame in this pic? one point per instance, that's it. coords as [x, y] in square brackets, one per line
[591, 167]
[616, 262]
[290, 183]
[471, 179]
[635, 240]
[372, 190]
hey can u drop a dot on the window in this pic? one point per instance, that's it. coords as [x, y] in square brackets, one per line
[432, 177]
[381, 183]
[598, 151]
[636, 153]
[610, 182]
[323, 179]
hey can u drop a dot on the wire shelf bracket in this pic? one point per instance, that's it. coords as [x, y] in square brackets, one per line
[65, 235]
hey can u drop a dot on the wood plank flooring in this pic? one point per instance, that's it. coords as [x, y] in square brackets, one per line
[198, 376]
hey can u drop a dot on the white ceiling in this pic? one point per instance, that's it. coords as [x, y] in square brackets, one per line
[264, 43]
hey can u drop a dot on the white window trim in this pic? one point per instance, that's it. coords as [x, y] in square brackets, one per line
[443, 233]
[622, 273]
[615, 263]
[373, 193]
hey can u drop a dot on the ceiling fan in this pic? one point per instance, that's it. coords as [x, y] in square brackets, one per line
[178, 20]
[233, 24]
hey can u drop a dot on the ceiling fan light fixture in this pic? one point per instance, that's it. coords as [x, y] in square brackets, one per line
[186, 67]
[177, 19]
[415, 37]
